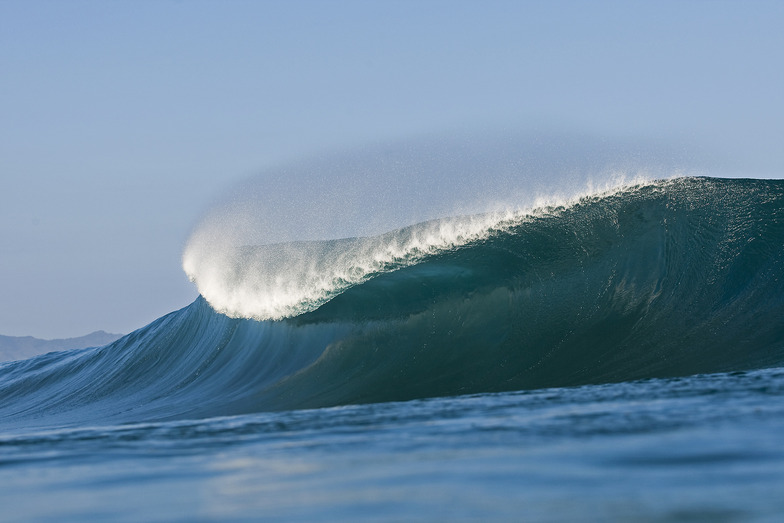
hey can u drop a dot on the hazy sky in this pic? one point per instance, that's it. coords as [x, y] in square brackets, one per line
[121, 121]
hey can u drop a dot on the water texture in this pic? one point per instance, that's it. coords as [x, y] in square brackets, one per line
[621, 351]
[701, 448]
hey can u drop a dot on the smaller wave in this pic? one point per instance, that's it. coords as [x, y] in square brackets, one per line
[284, 280]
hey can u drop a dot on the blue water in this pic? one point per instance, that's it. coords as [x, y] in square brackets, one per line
[616, 358]
[702, 448]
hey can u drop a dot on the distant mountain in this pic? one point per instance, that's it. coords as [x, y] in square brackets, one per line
[23, 347]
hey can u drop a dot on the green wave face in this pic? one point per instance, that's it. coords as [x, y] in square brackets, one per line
[673, 278]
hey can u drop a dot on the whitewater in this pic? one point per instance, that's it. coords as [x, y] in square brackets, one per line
[614, 353]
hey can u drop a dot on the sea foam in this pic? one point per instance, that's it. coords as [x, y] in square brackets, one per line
[289, 240]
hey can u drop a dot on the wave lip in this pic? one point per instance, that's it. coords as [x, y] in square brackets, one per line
[283, 280]
[272, 282]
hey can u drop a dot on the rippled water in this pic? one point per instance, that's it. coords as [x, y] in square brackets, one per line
[701, 448]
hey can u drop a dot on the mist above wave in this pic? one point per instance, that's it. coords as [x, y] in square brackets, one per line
[285, 242]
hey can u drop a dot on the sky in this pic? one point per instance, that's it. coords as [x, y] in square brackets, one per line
[121, 122]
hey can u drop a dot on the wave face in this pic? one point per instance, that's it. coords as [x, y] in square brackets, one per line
[663, 279]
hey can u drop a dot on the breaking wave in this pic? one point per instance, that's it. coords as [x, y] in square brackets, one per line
[657, 279]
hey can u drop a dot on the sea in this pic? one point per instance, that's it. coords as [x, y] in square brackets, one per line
[615, 357]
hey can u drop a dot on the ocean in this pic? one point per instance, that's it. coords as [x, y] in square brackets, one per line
[616, 357]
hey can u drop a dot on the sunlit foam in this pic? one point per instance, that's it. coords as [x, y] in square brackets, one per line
[280, 280]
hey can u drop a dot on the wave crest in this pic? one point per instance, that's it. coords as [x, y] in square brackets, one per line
[283, 280]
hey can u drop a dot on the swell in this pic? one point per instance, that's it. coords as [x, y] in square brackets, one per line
[666, 279]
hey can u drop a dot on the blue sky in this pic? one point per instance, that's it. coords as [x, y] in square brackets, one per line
[121, 121]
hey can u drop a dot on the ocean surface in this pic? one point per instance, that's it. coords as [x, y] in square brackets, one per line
[616, 357]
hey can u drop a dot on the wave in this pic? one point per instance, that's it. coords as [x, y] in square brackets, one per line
[667, 278]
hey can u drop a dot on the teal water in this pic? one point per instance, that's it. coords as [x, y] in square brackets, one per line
[615, 358]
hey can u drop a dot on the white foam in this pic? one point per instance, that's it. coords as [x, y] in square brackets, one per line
[275, 281]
